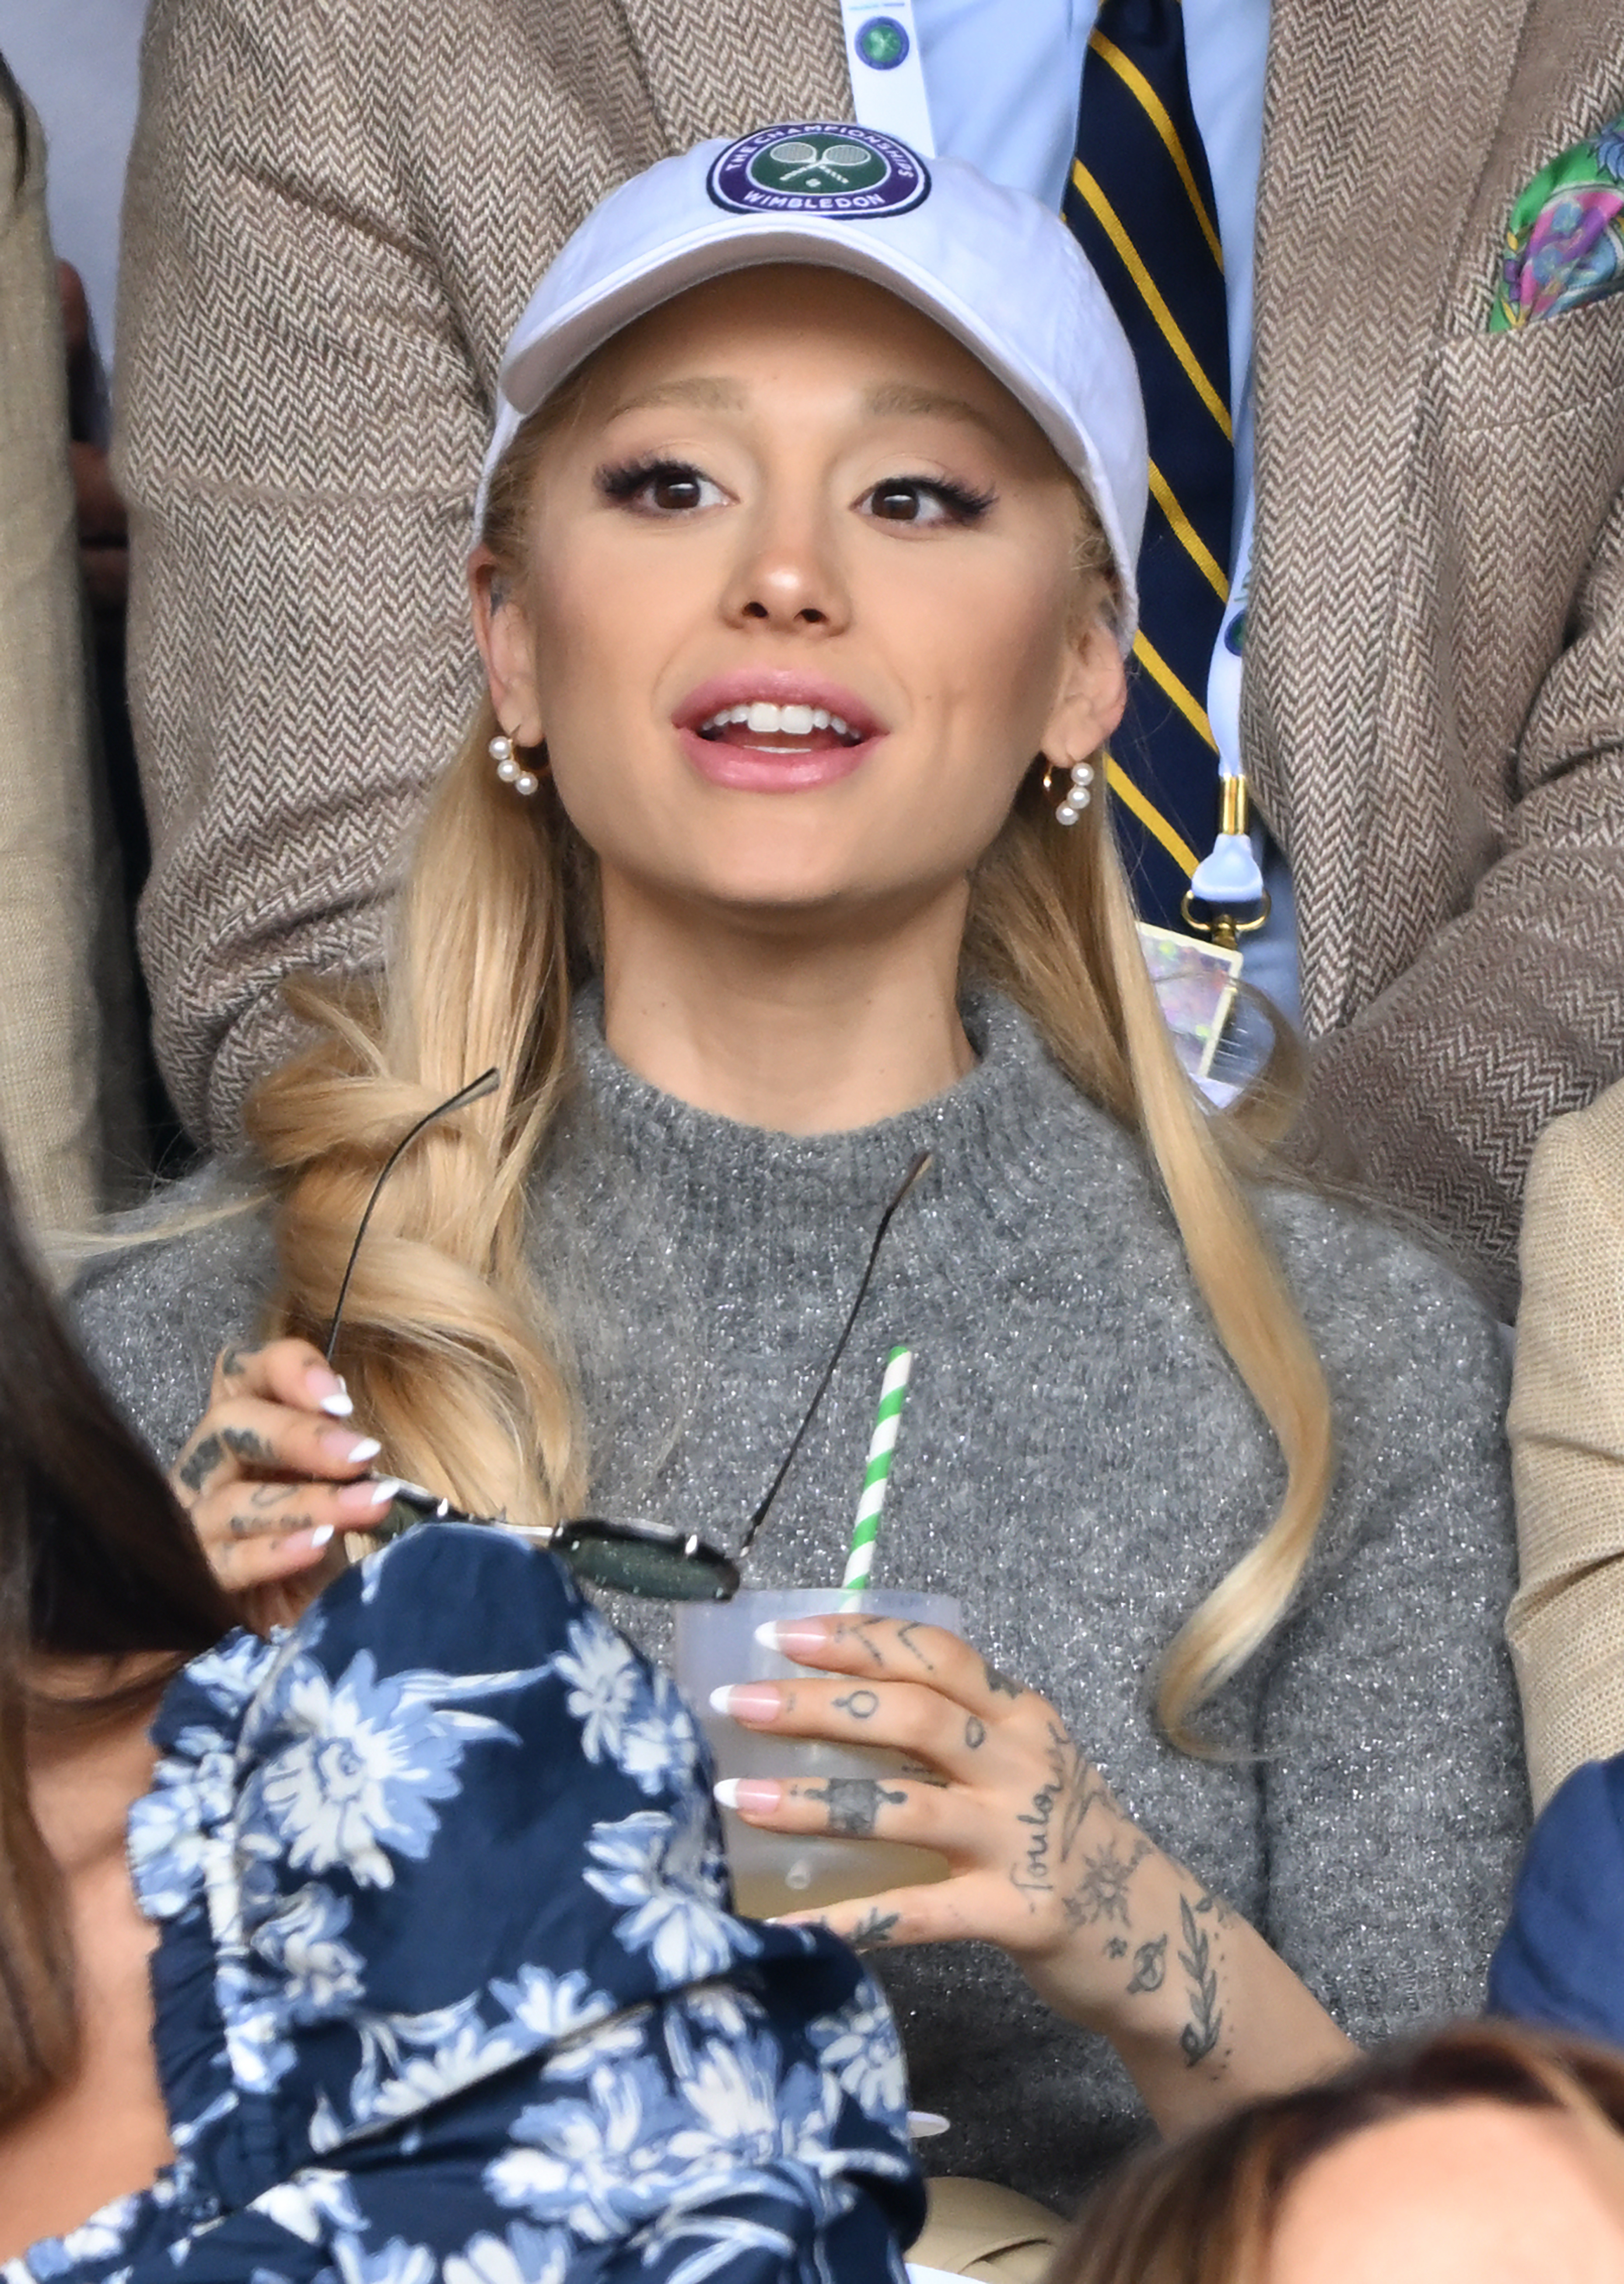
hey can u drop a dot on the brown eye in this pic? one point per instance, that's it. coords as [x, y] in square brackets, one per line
[675, 491]
[897, 503]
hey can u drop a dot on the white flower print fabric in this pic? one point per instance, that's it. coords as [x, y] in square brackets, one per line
[447, 1986]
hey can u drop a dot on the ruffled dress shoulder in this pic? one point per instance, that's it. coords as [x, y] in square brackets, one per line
[447, 1982]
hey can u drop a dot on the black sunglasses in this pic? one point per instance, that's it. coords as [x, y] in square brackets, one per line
[658, 1561]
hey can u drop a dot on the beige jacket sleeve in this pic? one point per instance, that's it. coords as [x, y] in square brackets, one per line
[1566, 1424]
[51, 1042]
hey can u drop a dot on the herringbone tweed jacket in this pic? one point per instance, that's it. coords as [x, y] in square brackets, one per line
[336, 212]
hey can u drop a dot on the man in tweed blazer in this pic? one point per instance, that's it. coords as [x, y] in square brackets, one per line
[336, 213]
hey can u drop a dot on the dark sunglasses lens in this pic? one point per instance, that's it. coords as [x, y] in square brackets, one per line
[657, 1567]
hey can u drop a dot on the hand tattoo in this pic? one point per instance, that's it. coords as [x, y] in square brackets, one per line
[195, 1471]
[242, 1443]
[1205, 2027]
[1102, 1891]
[854, 1804]
[1150, 1966]
[1116, 1948]
[861, 1704]
[875, 1932]
[999, 1682]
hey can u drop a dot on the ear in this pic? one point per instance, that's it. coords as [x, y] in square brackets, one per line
[502, 632]
[1092, 694]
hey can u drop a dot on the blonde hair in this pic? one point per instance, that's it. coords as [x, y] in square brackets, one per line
[449, 1350]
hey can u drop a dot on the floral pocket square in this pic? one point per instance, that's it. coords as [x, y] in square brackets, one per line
[1564, 243]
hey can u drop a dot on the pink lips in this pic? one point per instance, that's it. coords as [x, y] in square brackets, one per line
[764, 769]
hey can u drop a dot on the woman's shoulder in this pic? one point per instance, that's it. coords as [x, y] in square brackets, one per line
[1380, 1299]
[179, 1275]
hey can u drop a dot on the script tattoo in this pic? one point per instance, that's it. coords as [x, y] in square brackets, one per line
[874, 1932]
[920, 1774]
[1201, 2033]
[861, 1704]
[195, 1471]
[854, 1804]
[1150, 1966]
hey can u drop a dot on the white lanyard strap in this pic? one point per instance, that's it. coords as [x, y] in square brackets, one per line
[887, 74]
[1230, 877]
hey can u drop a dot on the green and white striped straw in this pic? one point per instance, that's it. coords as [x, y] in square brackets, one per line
[876, 1474]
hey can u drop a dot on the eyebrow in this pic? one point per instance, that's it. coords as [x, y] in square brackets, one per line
[703, 393]
[900, 398]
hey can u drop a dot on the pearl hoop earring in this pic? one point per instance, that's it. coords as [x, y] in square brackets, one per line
[510, 769]
[1076, 797]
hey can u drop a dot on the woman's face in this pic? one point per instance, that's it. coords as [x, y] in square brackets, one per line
[1478, 2193]
[802, 605]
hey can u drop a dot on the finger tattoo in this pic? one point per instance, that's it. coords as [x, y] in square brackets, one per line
[195, 1470]
[854, 1804]
[861, 1704]
[234, 1362]
[999, 1682]
[242, 1443]
[874, 1932]
[975, 1733]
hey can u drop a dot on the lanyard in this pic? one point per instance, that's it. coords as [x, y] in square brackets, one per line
[887, 73]
[1230, 877]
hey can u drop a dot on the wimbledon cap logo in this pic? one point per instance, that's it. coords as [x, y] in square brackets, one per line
[845, 172]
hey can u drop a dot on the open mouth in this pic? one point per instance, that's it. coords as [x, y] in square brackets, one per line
[763, 727]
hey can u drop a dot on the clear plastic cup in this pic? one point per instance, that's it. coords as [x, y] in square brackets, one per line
[776, 1872]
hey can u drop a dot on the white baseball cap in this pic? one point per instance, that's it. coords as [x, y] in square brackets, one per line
[992, 266]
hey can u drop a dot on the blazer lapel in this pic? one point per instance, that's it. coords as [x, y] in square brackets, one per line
[1379, 120]
[724, 71]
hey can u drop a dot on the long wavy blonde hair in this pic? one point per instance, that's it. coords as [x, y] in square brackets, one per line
[449, 1348]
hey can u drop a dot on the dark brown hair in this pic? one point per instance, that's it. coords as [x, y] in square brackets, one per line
[1202, 2211]
[96, 1560]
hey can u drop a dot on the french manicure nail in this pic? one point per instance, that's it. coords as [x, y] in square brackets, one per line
[753, 1796]
[790, 1636]
[307, 1542]
[367, 1497]
[746, 1701]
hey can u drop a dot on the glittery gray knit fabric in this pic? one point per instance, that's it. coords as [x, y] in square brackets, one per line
[1079, 1465]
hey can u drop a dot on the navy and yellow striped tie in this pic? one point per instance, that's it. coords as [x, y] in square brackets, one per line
[1140, 201]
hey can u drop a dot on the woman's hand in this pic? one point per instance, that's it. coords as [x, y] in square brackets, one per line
[1109, 1930]
[271, 1474]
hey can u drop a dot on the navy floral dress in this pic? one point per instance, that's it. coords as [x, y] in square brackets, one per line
[447, 1986]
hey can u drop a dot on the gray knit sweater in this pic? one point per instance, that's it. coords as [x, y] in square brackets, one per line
[1079, 1465]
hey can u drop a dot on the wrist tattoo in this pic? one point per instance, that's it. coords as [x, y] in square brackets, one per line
[1101, 1892]
[854, 1804]
[1150, 1966]
[1201, 2033]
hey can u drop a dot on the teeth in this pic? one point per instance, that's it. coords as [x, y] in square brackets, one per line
[766, 719]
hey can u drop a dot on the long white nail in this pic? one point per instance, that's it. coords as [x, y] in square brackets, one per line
[727, 1791]
[322, 1533]
[367, 1447]
[767, 1633]
[336, 1407]
[924, 2125]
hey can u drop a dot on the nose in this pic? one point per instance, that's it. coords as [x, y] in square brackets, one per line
[789, 576]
